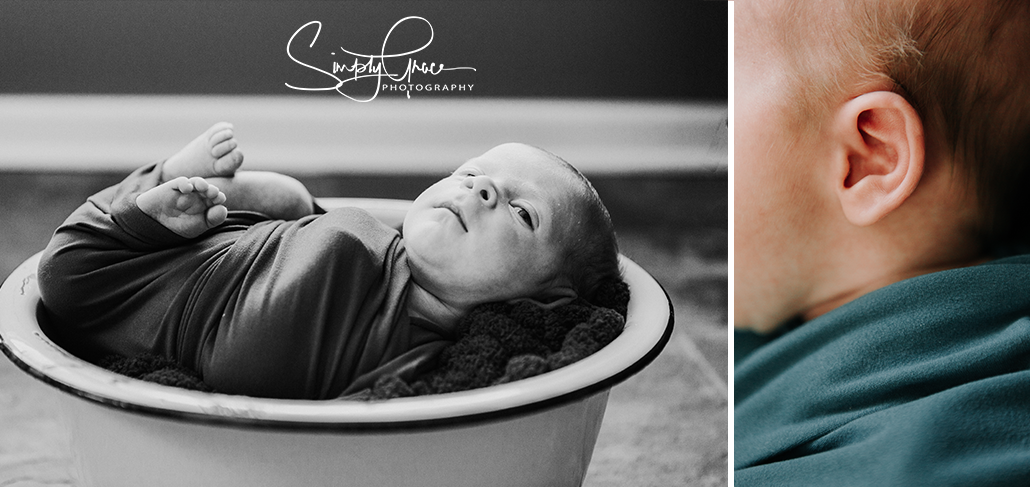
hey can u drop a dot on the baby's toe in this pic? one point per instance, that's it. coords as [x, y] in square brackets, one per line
[216, 215]
[218, 128]
[222, 142]
[200, 185]
[181, 184]
[210, 191]
[228, 164]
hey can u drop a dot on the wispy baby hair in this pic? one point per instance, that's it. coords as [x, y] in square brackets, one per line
[961, 64]
[590, 250]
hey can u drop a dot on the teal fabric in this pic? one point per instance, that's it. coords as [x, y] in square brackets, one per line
[923, 382]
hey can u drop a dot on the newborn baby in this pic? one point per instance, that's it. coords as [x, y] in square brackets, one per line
[239, 276]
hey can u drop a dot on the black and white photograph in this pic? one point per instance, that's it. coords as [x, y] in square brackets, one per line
[389, 243]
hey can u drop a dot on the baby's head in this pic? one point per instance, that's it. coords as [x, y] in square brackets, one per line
[514, 223]
[904, 120]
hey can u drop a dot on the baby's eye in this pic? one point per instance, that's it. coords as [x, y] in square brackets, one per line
[525, 216]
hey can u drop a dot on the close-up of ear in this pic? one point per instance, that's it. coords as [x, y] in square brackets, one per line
[880, 155]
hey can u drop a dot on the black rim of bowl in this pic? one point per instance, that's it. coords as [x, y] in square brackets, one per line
[369, 427]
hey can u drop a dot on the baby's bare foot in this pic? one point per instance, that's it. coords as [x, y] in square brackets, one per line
[213, 153]
[186, 206]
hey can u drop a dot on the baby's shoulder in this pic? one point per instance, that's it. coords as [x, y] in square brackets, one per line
[349, 229]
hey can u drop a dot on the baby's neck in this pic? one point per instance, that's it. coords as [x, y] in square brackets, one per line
[425, 305]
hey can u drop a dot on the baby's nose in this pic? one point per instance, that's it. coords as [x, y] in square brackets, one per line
[483, 188]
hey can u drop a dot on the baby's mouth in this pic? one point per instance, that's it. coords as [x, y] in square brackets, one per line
[457, 212]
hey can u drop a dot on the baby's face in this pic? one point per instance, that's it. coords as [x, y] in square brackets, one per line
[493, 230]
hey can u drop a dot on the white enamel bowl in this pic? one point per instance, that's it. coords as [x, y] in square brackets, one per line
[536, 432]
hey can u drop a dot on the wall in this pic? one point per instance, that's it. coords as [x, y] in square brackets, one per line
[572, 49]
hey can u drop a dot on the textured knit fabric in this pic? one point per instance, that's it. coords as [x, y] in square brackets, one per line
[923, 382]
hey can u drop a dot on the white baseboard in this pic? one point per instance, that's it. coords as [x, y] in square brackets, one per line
[315, 134]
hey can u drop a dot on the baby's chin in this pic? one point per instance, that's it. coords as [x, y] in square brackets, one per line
[412, 229]
[419, 214]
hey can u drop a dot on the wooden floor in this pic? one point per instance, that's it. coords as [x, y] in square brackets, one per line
[665, 426]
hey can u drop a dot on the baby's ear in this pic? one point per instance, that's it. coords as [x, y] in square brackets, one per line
[878, 155]
[550, 299]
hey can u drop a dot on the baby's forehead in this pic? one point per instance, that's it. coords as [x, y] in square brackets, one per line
[517, 153]
[523, 162]
[540, 172]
